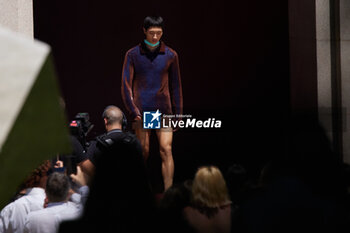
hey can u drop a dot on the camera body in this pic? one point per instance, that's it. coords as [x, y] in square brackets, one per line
[80, 127]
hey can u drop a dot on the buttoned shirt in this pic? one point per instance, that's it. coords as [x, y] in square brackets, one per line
[12, 217]
[81, 197]
[47, 220]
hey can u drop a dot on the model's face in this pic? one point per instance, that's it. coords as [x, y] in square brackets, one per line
[153, 34]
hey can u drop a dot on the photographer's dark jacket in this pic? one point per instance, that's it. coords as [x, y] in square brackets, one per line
[115, 142]
[151, 80]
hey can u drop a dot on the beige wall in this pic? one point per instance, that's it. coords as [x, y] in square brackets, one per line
[323, 45]
[324, 68]
[17, 15]
[345, 74]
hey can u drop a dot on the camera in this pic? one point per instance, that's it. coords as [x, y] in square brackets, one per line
[80, 127]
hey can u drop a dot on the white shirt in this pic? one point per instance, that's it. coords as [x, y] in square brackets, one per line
[81, 197]
[48, 220]
[12, 216]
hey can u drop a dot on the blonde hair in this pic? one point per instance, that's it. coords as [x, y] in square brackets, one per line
[209, 190]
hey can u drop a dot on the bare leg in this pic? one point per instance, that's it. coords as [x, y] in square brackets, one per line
[165, 139]
[143, 135]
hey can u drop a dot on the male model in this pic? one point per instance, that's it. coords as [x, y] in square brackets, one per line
[150, 82]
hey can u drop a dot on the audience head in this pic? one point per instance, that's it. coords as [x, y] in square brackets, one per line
[57, 187]
[113, 117]
[177, 196]
[236, 175]
[38, 177]
[171, 207]
[209, 190]
[236, 178]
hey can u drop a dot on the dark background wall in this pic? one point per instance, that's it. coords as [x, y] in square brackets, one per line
[234, 61]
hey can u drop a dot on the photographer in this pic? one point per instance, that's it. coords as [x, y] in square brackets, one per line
[80, 127]
[115, 123]
[116, 161]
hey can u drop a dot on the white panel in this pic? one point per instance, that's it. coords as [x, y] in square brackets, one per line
[21, 59]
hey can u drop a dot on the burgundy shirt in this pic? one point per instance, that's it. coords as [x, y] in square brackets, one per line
[151, 81]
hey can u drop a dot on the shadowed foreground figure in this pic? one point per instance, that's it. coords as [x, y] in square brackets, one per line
[302, 189]
[171, 206]
[120, 199]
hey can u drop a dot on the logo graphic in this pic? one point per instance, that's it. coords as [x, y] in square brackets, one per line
[151, 120]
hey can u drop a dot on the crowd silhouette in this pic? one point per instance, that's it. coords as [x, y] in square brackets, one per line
[306, 189]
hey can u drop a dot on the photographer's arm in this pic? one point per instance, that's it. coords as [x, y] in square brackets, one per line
[81, 179]
[88, 164]
[87, 167]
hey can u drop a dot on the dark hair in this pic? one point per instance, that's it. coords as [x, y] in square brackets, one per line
[171, 207]
[177, 197]
[153, 21]
[236, 175]
[57, 187]
[33, 180]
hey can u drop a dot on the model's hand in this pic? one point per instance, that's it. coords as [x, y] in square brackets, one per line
[138, 118]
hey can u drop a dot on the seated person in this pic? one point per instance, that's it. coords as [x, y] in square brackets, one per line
[171, 206]
[210, 210]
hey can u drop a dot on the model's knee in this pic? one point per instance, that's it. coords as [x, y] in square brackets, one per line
[165, 149]
[165, 153]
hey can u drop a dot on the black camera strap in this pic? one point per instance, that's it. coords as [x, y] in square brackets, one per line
[108, 140]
